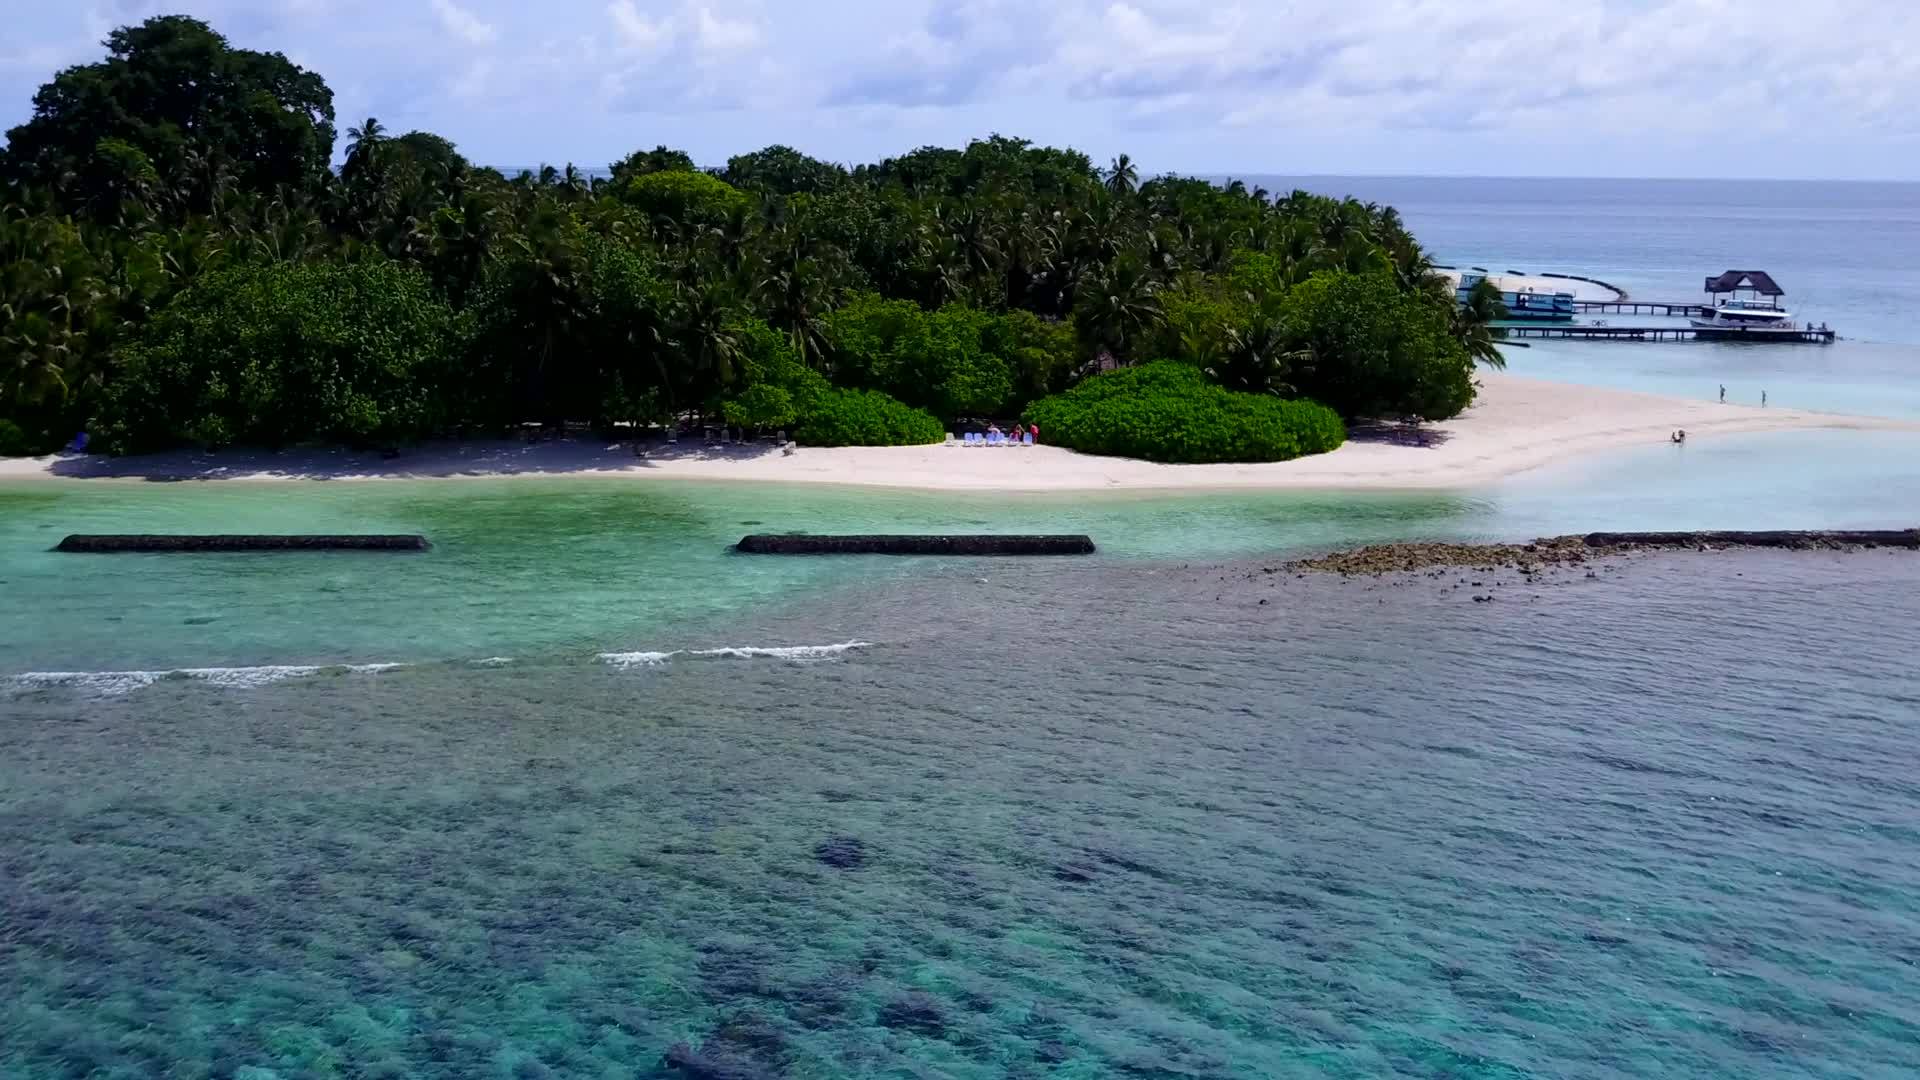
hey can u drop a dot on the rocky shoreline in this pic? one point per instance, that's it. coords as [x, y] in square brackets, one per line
[1573, 551]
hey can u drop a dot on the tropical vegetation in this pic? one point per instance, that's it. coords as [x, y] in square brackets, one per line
[180, 263]
[1171, 411]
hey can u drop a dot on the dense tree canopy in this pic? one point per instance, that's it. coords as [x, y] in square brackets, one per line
[352, 353]
[170, 114]
[172, 242]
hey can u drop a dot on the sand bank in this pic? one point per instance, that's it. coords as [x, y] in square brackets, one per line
[1516, 425]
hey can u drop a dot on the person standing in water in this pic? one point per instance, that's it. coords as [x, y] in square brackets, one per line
[1723, 393]
[1763, 399]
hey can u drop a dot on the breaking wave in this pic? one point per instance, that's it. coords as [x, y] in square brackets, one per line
[114, 683]
[783, 652]
[791, 653]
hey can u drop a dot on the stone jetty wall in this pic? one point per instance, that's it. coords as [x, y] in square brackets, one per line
[99, 544]
[764, 544]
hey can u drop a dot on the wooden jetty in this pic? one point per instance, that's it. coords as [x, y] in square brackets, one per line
[105, 544]
[1748, 334]
[809, 544]
[1752, 314]
[1641, 307]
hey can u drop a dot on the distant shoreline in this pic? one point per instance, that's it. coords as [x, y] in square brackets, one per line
[1516, 426]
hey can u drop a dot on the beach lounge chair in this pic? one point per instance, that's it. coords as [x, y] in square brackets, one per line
[1027, 439]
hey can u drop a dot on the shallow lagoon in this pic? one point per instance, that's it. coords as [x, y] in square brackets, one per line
[550, 566]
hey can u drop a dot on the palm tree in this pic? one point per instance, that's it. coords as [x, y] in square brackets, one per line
[1473, 324]
[703, 335]
[943, 268]
[362, 143]
[1257, 357]
[1122, 179]
[1116, 307]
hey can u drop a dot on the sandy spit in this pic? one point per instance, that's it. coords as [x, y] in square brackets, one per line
[1517, 425]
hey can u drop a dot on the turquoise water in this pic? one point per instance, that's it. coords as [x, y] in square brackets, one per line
[549, 566]
[1120, 818]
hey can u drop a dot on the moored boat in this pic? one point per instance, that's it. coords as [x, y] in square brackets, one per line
[1744, 300]
[1523, 305]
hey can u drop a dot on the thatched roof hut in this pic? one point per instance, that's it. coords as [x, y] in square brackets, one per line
[1759, 281]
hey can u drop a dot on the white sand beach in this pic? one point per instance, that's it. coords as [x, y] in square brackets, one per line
[1516, 425]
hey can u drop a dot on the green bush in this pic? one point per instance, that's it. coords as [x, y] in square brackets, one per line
[1168, 411]
[760, 406]
[285, 353]
[866, 418]
[13, 441]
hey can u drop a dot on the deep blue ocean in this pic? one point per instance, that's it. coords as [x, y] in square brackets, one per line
[581, 794]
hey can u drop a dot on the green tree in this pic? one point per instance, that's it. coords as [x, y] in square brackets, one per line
[1369, 350]
[782, 170]
[1119, 307]
[947, 367]
[1041, 354]
[285, 353]
[197, 108]
[864, 340]
[683, 204]
[777, 387]
[644, 162]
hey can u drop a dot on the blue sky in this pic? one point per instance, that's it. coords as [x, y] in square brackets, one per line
[1781, 88]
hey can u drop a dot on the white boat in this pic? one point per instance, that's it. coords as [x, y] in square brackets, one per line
[1758, 308]
[1737, 314]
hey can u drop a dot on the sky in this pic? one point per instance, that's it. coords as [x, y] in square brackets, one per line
[1817, 89]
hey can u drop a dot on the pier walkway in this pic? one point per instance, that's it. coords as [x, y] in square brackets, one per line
[1753, 335]
[1641, 307]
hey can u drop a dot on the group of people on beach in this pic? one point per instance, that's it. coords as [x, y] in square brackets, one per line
[1013, 432]
[1723, 396]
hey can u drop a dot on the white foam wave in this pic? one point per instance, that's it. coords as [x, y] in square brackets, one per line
[110, 683]
[793, 653]
[783, 652]
[116, 683]
[493, 661]
[247, 678]
[636, 659]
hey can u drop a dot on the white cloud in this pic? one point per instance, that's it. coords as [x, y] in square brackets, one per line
[463, 24]
[635, 29]
[719, 34]
[1490, 65]
[1612, 85]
